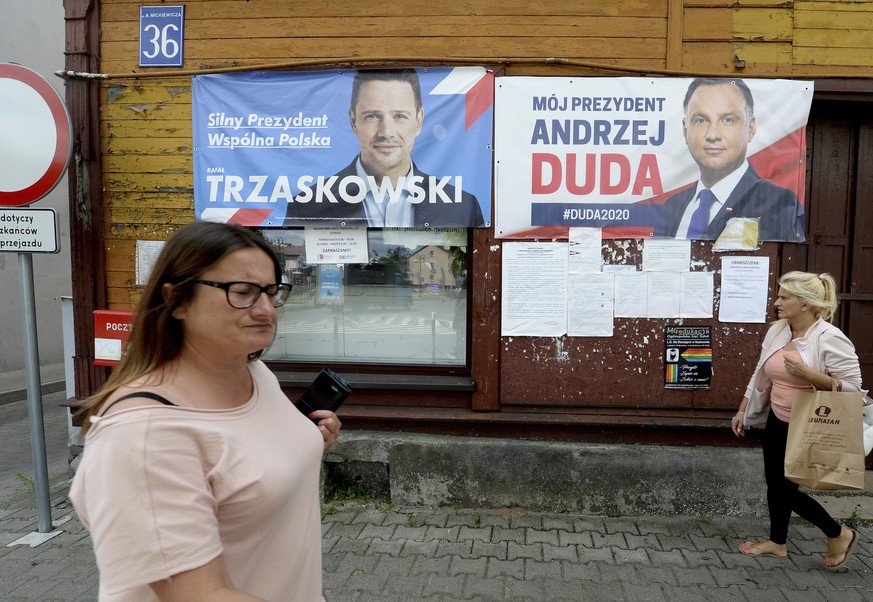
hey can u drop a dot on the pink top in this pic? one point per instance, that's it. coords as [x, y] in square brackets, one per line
[165, 490]
[784, 384]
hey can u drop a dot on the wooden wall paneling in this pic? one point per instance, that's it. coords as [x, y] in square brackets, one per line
[393, 26]
[811, 39]
[759, 24]
[140, 129]
[144, 213]
[860, 288]
[675, 34]
[147, 150]
[121, 56]
[161, 164]
[156, 200]
[833, 169]
[82, 53]
[851, 57]
[763, 24]
[732, 3]
[755, 58]
[707, 24]
[124, 145]
[219, 34]
[485, 347]
[131, 93]
[564, 70]
[839, 14]
[121, 10]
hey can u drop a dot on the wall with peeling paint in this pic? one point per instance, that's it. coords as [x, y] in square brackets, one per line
[145, 117]
[627, 370]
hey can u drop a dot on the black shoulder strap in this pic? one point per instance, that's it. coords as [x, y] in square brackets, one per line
[145, 394]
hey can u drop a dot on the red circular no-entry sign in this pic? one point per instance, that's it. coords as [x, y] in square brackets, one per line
[35, 136]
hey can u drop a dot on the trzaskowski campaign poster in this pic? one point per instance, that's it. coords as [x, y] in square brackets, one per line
[369, 148]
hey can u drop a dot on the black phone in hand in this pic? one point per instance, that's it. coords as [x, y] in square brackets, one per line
[327, 392]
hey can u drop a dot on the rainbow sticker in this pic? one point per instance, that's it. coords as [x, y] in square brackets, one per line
[699, 354]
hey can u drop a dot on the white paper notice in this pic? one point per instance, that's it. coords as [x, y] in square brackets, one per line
[630, 294]
[336, 245]
[585, 253]
[663, 294]
[589, 312]
[412, 238]
[147, 252]
[666, 255]
[744, 282]
[696, 294]
[534, 289]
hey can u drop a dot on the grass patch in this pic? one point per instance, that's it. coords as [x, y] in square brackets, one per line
[351, 493]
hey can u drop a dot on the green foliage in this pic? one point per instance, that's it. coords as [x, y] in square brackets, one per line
[27, 480]
[350, 493]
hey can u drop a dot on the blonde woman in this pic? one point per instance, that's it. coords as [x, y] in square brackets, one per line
[802, 351]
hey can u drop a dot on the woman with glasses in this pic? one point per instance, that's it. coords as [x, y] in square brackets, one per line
[200, 478]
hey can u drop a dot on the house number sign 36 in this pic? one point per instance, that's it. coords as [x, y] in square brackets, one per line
[161, 36]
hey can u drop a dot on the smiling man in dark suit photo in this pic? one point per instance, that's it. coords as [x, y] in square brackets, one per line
[718, 125]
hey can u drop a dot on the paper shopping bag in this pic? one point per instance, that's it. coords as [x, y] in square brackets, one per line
[825, 442]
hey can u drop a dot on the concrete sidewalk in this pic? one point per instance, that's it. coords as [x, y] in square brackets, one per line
[375, 553]
[13, 384]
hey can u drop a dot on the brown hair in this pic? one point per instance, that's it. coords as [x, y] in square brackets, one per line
[157, 337]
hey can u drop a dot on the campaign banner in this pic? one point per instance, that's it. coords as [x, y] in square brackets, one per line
[637, 156]
[275, 149]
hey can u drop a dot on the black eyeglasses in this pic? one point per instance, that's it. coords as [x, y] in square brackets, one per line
[242, 295]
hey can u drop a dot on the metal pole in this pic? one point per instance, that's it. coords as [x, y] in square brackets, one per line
[433, 336]
[34, 393]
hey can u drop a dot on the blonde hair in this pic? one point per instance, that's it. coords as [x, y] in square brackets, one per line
[819, 291]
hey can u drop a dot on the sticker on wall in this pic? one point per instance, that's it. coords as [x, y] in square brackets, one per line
[688, 357]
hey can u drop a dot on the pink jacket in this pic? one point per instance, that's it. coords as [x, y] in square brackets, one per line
[824, 348]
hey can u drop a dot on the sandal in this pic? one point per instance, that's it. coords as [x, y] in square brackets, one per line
[846, 554]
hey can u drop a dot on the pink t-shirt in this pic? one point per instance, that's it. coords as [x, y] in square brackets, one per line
[164, 490]
[784, 384]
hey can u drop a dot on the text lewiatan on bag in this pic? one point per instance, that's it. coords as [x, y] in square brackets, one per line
[825, 442]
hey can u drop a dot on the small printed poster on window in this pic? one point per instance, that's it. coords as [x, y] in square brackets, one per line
[688, 357]
[336, 245]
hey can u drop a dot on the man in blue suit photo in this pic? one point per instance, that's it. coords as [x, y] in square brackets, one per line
[718, 125]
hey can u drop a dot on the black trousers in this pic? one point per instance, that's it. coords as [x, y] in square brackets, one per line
[784, 496]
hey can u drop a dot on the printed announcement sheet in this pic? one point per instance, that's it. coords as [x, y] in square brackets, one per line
[744, 289]
[534, 289]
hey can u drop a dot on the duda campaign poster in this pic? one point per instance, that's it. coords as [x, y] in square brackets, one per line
[638, 156]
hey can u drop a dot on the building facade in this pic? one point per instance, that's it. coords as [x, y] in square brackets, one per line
[133, 182]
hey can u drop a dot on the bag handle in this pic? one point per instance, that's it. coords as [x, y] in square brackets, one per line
[836, 385]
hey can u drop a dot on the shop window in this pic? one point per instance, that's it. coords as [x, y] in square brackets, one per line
[406, 305]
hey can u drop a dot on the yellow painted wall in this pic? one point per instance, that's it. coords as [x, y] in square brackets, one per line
[146, 121]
